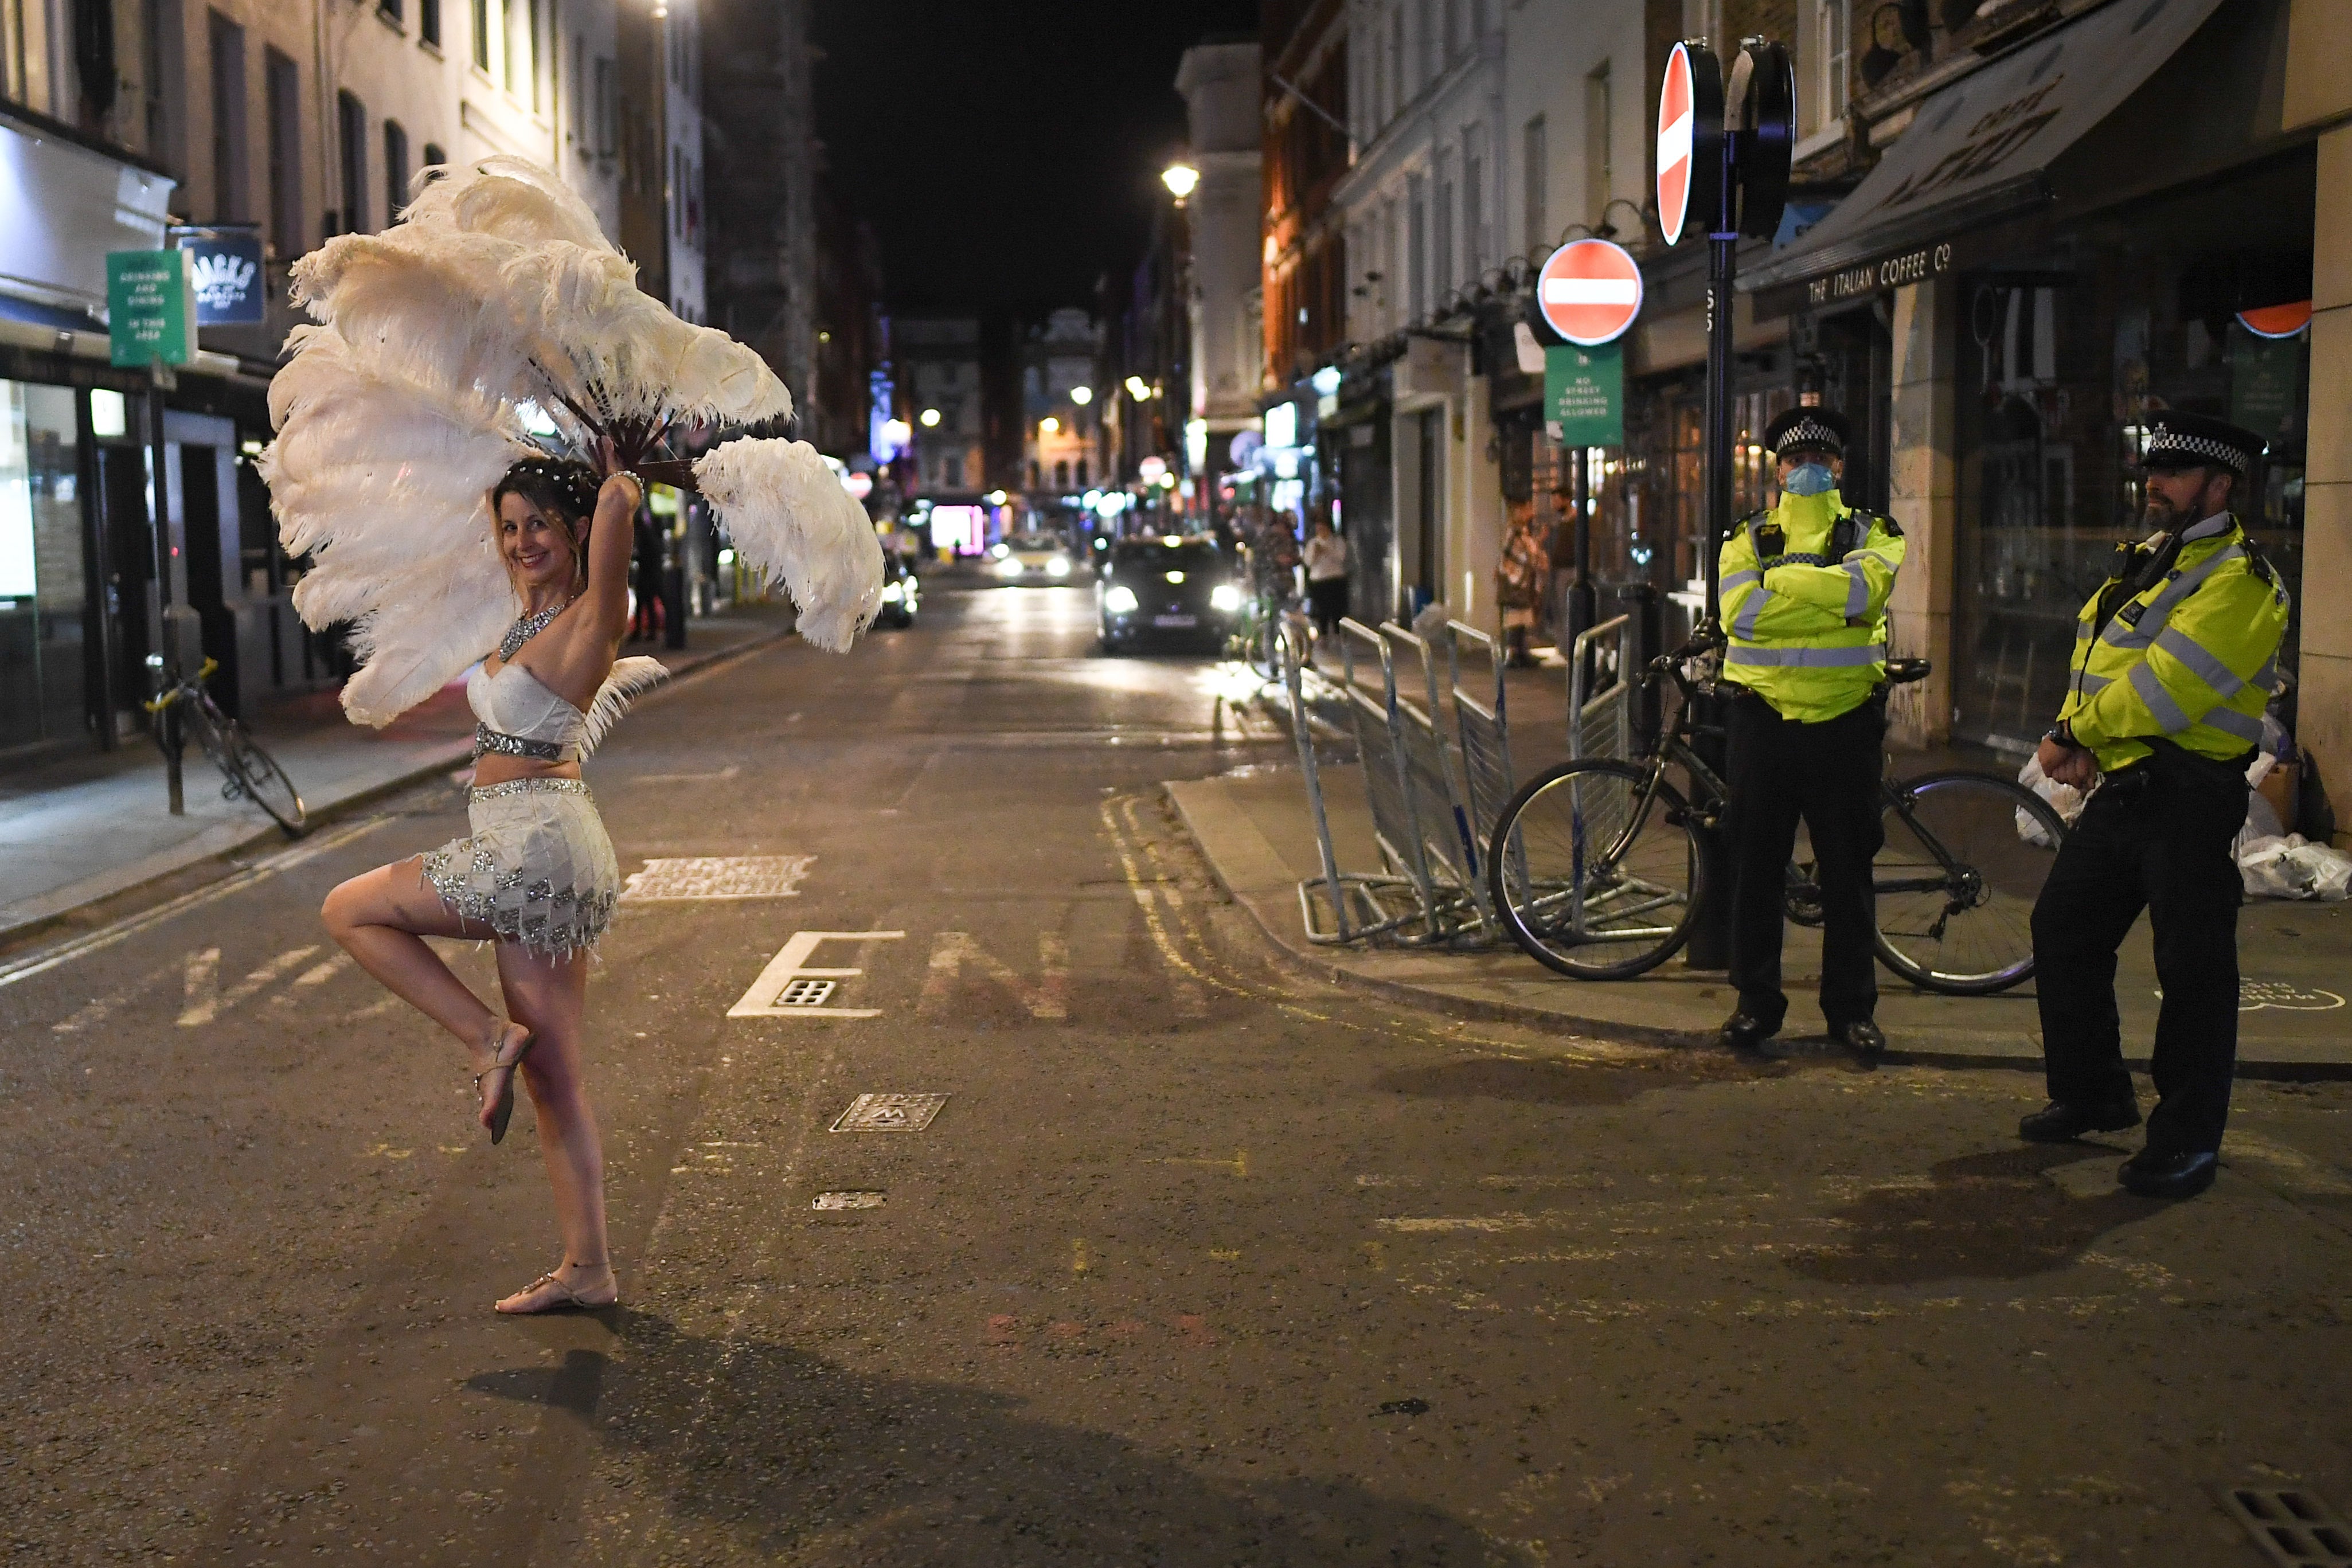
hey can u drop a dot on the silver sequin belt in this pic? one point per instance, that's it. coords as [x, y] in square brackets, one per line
[488, 740]
[528, 787]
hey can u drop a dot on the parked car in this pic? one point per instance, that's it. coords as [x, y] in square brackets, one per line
[901, 593]
[1039, 560]
[1167, 588]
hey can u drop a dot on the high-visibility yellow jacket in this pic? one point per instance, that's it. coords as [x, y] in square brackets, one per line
[2187, 650]
[1804, 604]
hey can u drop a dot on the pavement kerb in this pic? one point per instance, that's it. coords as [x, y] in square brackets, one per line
[55, 909]
[1253, 873]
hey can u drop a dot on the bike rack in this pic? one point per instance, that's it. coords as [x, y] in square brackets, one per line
[1441, 815]
[1483, 723]
[1601, 723]
[1353, 898]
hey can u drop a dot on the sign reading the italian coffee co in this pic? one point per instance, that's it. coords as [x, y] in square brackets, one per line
[1584, 394]
[151, 307]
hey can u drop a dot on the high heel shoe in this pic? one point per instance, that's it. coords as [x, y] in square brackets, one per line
[502, 1108]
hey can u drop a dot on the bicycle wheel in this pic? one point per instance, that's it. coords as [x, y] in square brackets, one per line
[1264, 658]
[1965, 858]
[1595, 876]
[255, 774]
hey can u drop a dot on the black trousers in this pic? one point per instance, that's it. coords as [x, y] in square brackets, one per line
[1328, 596]
[2150, 840]
[1826, 774]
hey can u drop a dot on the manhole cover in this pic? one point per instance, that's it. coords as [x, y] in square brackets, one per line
[889, 1114]
[717, 876]
[805, 993]
[846, 1200]
[2295, 1527]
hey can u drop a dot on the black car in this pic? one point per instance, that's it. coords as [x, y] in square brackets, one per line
[1166, 588]
[900, 591]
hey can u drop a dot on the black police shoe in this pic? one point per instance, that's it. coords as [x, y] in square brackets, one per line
[2151, 1174]
[2060, 1122]
[1862, 1035]
[1743, 1031]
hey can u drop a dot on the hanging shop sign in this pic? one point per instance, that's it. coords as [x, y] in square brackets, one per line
[227, 266]
[1584, 394]
[151, 307]
[1590, 291]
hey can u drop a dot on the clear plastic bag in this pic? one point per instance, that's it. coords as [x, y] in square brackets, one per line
[2064, 800]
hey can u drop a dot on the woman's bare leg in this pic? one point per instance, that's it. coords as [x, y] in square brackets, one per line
[382, 918]
[550, 997]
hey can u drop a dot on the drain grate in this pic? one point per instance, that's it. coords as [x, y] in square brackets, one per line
[805, 993]
[2295, 1527]
[889, 1114]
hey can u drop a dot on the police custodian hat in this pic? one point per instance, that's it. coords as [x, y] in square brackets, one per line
[2180, 440]
[1811, 429]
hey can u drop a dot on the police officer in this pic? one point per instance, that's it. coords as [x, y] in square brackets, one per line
[2174, 658]
[1804, 606]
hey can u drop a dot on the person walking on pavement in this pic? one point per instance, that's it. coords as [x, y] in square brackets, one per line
[2175, 658]
[1805, 586]
[1521, 575]
[1327, 577]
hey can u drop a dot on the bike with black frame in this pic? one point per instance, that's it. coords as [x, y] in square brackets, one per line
[249, 772]
[1596, 870]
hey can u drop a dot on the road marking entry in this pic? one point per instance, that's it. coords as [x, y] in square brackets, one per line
[791, 964]
[1047, 1001]
[205, 1001]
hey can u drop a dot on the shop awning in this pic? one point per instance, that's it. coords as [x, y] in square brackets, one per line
[1978, 150]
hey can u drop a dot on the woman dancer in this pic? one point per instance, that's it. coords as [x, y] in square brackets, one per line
[538, 873]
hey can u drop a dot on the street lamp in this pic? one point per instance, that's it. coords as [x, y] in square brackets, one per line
[930, 418]
[1181, 180]
[1048, 426]
[1082, 395]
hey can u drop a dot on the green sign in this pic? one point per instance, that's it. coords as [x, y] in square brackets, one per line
[151, 307]
[1584, 394]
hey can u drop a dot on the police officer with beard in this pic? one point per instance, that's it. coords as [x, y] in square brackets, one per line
[2174, 657]
[1804, 612]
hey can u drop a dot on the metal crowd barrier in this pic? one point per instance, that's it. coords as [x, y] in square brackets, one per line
[1453, 845]
[1482, 721]
[1358, 903]
[1601, 685]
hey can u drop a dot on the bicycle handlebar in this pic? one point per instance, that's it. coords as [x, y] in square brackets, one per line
[204, 672]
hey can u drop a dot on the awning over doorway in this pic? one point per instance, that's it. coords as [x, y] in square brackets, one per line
[1979, 151]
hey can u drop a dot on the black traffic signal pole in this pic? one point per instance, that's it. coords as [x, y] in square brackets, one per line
[165, 661]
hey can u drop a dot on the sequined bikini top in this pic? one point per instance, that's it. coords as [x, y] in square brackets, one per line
[517, 715]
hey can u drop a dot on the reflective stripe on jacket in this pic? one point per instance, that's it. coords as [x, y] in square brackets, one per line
[2193, 658]
[1808, 633]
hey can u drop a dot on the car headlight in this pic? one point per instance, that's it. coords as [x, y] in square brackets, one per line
[892, 593]
[1000, 551]
[1057, 567]
[1008, 567]
[1119, 599]
[1225, 597]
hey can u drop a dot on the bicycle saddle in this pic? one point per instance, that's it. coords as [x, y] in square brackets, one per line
[1902, 672]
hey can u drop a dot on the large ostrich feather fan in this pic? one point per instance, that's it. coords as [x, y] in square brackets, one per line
[495, 322]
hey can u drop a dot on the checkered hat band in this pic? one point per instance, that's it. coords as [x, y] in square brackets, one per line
[2169, 444]
[1808, 432]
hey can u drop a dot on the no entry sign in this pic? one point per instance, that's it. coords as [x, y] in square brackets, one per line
[1590, 291]
[1690, 139]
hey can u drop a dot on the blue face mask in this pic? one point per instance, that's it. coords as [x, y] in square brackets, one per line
[1810, 479]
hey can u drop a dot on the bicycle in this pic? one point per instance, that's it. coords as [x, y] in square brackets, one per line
[249, 772]
[1596, 870]
[1268, 618]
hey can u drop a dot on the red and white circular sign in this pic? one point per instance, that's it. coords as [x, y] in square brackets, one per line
[1590, 291]
[1677, 106]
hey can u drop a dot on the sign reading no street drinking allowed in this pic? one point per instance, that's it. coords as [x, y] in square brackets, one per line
[1589, 292]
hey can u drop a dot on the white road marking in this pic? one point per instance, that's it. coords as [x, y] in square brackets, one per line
[205, 1001]
[696, 877]
[41, 963]
[792, 963]
[101, 1008]
[1047, 1001]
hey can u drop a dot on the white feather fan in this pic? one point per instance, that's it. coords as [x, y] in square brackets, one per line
[789, 517]
[494, 298]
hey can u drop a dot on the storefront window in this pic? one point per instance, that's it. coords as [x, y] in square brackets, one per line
[43, 588]
[2063, 358]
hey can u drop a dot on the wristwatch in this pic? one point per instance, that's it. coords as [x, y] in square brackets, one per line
[2062, 735]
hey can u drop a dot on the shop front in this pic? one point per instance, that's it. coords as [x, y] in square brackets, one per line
[2104, 223]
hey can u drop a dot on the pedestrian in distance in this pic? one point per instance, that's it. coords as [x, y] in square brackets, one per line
[537, 874]
[2175, 658]
[1521, 576]
[1327, 577]
[1805, 586]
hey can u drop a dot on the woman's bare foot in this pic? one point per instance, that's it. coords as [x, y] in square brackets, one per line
[572, 1287]
[494, 1070]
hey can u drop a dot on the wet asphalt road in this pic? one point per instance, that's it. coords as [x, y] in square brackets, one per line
[1201, 1263]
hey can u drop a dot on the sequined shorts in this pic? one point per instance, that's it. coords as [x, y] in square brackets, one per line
[536, 868]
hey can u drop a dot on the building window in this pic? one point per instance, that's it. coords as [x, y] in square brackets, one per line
[1533, 173]
[1440, 238]
[1824, 39]
[1600, 175]
[395, 170]
[606, 117]
[428, 22]
[390, 11]
[1453, 29]
[1062, 474]
[1396, 60]
[433, 160]
[576, 113]
[230, 197]
[163, 60]
[538, 72]
[518, 50]
[351, 127]
[482, 35]
[1416, 245]
[951, 473]
[1474, 237]
[282, 85]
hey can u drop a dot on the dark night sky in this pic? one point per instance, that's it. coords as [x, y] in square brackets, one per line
[1006, 154]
